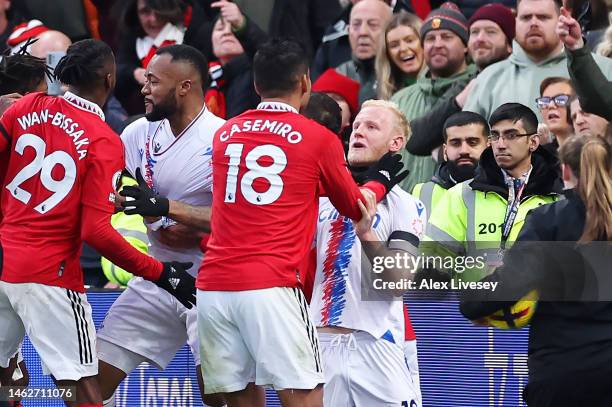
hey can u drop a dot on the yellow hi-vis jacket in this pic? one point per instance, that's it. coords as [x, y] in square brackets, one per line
[468, 219]
[133, 229]
[431, 192]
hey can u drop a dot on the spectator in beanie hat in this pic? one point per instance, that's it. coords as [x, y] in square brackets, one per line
[445, 35]
[491, 31]
[491, 34]
[537, 53]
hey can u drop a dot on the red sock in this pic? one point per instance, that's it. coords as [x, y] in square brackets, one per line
[90, 405]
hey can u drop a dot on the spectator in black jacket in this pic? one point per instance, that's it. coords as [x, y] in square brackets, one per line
[491, 34]
[335, 48]
[147, 26]
[592, 87]
[570, 340]
[303, 20]
[366, 27]
[235, 40]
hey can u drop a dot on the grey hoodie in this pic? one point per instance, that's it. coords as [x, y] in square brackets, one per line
[517, 79]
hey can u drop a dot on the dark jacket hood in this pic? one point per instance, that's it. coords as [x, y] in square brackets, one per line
[442, 176]
[545, 178]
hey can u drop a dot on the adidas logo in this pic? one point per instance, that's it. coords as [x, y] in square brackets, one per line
[153, 201]
[386, 174]
[174, 282]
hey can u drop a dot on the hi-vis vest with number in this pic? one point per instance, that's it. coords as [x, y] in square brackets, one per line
[429, 193]
[469, 222]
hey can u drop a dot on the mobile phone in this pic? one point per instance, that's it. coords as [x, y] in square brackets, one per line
[54, 87]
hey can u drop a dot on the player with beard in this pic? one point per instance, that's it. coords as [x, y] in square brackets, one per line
[465, 138]
[59, 190]
[169, 152]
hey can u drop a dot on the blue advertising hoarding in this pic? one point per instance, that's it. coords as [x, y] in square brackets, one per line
[460, 364]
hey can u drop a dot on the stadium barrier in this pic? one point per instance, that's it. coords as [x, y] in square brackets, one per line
[460, 365]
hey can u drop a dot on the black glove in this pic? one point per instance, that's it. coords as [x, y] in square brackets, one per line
[386, 171]
[178, 282]
[145, 202]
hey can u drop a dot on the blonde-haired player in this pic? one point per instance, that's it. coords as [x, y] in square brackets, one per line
[362, 340]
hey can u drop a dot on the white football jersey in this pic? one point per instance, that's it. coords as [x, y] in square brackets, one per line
[178, 168]
[337, 293]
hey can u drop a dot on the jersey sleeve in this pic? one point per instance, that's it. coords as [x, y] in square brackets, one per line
[100, 184]
[103, 174]
[412, 217]
[338, 184]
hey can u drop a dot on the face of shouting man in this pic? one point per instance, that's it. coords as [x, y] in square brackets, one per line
[377, 130]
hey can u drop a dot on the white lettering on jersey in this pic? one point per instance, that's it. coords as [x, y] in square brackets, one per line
[68, 125]
[282, 129]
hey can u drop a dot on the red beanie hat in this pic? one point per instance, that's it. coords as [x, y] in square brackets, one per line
[24, 32]
[333, 82]
[499, 14]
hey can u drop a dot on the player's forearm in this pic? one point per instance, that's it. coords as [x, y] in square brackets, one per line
[390, 265]
[99, 234]
[194, 216]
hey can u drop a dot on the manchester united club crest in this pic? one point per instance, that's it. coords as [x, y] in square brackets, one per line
[435, 23]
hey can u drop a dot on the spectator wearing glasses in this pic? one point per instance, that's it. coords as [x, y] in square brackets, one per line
[553, 103]
[586, 124]
[514, 176]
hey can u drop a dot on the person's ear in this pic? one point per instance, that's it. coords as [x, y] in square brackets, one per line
[306, 83]
[444, 152]
[566, 173]
[397, 142]
[108, 81]
[534, 142]
[305, 89]
[185, 87]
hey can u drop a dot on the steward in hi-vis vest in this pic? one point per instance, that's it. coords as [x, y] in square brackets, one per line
[465, 138]
[480, 216]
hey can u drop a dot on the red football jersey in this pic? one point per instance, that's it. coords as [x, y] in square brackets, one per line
[63, 160]
[267, 165]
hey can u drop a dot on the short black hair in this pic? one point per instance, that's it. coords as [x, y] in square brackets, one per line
[463, 119]
[22, 73]
[515, 112]
[325, 111]
[278, 66]
[83, 64]
[189, 54]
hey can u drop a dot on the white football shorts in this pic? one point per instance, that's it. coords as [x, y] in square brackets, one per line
[57, 321]
[262, 336]
[146, 323]
[363, 371]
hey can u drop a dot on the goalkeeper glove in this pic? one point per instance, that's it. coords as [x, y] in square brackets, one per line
[143, 202]
[178, 282]
[386, 171]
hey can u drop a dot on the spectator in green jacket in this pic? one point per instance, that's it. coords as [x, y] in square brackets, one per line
[445, 35]
[537, 54]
